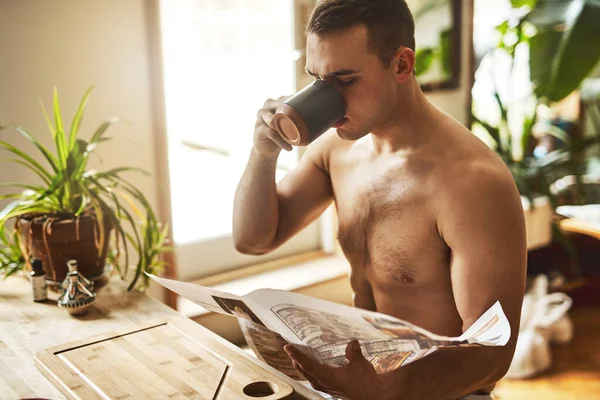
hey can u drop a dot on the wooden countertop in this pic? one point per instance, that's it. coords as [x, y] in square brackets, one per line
[579, 226]
[27, 327]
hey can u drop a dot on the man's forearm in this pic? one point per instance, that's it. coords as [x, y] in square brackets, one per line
[449, 373]
[256, 207]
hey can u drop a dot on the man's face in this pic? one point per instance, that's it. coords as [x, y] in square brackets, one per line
[368, 87]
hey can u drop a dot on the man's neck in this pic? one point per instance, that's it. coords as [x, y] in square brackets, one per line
[410, 125]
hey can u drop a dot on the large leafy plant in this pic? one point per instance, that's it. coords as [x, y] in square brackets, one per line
[562, 38]
[562, 41]
[69, 189]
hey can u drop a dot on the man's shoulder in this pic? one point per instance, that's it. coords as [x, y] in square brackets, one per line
[326, 148]
[468, 169]
[477, 183]
[475, 173]
[468, 162]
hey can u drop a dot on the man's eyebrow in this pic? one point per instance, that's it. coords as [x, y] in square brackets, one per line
[340, 72]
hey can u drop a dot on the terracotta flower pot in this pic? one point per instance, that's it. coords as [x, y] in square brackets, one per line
[55, 240]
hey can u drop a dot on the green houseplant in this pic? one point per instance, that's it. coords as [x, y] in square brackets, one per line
[76, 212]
[562, 45]
[562, 40]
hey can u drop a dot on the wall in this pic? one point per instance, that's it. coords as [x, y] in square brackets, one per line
[73, 44]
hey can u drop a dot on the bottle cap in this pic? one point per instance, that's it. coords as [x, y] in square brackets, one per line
[36, 265]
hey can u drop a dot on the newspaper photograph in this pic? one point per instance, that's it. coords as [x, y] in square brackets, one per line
[271, 318]
[268, 347]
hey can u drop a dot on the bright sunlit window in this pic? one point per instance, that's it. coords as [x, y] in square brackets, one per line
[222, 59]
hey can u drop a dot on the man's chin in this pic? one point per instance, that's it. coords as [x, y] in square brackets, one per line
[342, 133]
[347, 134]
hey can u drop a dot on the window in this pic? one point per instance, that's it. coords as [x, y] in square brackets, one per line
[222, 59]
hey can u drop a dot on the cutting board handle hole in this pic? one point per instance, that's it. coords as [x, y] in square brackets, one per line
[260, 389]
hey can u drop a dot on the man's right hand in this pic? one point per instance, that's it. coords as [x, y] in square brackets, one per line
[267, 140]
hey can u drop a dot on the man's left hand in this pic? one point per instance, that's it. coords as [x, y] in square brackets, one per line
[355, 379]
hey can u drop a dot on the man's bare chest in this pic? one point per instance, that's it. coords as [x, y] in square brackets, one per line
[387, 226]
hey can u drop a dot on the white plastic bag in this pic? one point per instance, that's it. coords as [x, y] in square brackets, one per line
[544, 319]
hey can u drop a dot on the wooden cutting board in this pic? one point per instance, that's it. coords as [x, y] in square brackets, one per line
[176, 359]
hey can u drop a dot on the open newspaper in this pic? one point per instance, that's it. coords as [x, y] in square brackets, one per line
[271, 318]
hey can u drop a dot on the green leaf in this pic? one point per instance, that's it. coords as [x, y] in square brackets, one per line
[21, 185]
[96, 138]
[550, 14]
[503, 28]
[120, 230]
[424, 60]
[61, 149]
[116, 218]
[503, 112]
[28, 166]
[521, 3]
[77, 159]
[11, 196]
[57, 118]
[135, 240]
[77, 119]
[139, 196]
[27, 159]
[492, 131]
[48, 122]
[43, 149]
[9, 209]
[566, 49]
[543, 48]
[527, 132]
[114, 173]
[13, 268]
[446, 51]
[82, 205]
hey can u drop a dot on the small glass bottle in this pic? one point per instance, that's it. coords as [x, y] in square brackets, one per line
[38, 281]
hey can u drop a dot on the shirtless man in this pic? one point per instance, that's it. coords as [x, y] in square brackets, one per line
[429, 217]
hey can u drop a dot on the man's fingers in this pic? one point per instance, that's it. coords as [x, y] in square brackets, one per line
[276, 137]
[271, 105]
[266, 116]
[307, 363]
[300, 357]
[314, 382]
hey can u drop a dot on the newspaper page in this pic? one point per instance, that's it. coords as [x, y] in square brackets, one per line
[268, 347]
[212, 300]
[323, 329]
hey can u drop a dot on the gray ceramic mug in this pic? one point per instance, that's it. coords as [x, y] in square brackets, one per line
[309, 113]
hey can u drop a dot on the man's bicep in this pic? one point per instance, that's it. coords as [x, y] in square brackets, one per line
[486, 234]
[304, 193]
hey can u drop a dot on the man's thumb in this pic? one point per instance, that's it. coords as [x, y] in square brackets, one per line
[353, 351]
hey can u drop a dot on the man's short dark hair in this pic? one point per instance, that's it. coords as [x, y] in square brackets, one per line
[389, 23]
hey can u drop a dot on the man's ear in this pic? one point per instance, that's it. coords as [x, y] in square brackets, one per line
[404, 62]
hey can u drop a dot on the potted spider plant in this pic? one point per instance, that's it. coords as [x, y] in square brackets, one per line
[74, 212]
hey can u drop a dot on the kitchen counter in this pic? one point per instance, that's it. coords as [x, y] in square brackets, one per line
[27, 327]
